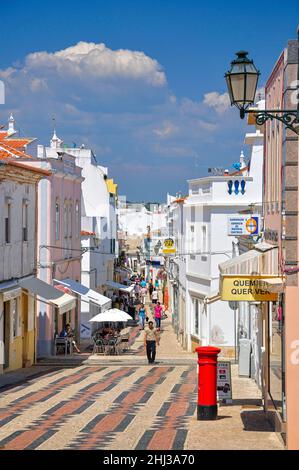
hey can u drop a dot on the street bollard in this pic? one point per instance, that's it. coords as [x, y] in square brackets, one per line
[207, 382]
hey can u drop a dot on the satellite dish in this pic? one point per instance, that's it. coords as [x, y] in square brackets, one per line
[237, 166]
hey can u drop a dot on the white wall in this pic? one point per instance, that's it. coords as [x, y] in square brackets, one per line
[17, 257]
[135, 219]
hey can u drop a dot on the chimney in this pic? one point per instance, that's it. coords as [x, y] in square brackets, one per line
[11, 125]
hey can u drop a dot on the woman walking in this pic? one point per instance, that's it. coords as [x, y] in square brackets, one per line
[142, 315]
[158, 311]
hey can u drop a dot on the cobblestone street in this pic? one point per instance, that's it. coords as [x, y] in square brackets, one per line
[129, 405]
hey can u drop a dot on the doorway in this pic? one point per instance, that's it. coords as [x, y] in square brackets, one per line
[6, 308]
[56, 323]
[25, 330]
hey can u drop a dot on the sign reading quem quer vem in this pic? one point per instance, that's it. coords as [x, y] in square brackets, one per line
[253, 288]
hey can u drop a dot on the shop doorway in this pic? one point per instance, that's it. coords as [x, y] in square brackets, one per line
[77, 326]
[25, 330]
[6, 308]
[275, 350]
[56, 325]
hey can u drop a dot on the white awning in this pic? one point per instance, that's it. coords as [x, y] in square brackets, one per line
[247, 263]
[86, 293]
[64, 302]
[121, 287]
[263, 260]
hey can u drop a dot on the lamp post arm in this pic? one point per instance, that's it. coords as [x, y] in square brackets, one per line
[289, 117]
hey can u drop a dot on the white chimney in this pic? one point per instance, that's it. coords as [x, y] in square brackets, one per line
[55, 142]
[11, 125]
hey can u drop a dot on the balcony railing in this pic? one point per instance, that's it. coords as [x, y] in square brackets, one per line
[236, 187]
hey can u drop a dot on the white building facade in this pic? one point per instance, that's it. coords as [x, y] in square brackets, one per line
[250, 324]
[142, 229]
[210, 321]
[176, 267]
[18, 263]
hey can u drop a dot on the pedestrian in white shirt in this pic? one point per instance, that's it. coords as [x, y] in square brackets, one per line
[155, 296]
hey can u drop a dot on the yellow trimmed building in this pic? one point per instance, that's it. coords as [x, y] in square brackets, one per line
[18, 230]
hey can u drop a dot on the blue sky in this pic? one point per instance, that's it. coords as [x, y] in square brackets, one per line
[155, 112]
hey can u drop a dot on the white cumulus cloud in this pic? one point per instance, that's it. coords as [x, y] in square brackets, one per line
[219, 102]
[97, 60]
[119, 103]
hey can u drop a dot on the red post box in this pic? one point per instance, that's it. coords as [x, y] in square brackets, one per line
[207, 382]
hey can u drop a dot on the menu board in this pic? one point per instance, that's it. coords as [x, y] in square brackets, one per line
[224, 382]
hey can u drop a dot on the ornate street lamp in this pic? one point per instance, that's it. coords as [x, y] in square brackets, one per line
[242, 81]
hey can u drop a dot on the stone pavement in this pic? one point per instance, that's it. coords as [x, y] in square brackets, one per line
[20, 376]
[129, 406]
[241, 425]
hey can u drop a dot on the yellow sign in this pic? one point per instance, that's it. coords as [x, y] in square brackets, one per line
[251, 225]
[248, 289]
[169, 246]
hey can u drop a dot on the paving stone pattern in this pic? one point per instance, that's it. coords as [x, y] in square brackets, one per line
[128, 406]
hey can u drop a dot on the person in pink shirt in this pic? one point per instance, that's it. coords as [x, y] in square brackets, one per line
[158, 311]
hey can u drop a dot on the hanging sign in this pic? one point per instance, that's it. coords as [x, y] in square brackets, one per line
[243, 225]
[250, 289]
[224, 381]
[169, 246]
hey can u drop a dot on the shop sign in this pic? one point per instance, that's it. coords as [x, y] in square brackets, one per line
[243, 225]
[224, 381]
[248, 289]
[169, 246]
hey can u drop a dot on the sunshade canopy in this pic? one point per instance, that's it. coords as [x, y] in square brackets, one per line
[64, 302]
[261, 261]
[86, 293]
[121, 287]
[111, 315]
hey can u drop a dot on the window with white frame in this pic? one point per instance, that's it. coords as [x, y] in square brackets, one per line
[65, 228]
[70, 227]
[77, 220]
[15, 318]
[57, 220]
[193, 214]
[192, 243]
[195, 303]
[65, 219]
[7, 223]
[70, 224]
[182, 220]
[204, 244]
[25, 221]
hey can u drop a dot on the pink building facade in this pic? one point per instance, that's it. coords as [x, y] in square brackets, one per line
[59, 242]
[281, 202]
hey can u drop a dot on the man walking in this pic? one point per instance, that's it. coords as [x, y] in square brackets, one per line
[150, 288]
[151, 338]
[155, 296]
